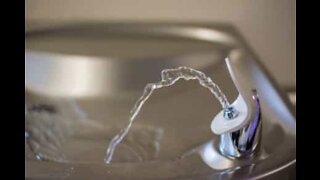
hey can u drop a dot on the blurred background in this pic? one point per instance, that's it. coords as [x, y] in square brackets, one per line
[268, 26]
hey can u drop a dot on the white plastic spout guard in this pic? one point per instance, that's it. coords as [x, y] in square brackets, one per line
[221, 125]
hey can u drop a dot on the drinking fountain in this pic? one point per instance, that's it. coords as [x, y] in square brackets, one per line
[83, 79]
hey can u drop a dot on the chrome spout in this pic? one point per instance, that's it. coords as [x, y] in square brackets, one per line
[245, 141]
[239, 126]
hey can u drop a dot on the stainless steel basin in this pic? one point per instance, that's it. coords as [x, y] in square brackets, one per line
[91, 75]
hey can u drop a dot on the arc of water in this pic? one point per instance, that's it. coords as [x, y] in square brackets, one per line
[168, 78]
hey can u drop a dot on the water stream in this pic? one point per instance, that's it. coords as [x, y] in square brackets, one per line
[168, 78]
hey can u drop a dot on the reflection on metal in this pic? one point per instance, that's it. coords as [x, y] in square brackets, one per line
[212, 157]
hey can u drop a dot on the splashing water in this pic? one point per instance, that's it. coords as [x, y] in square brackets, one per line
[168, 78]
[47, 126]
